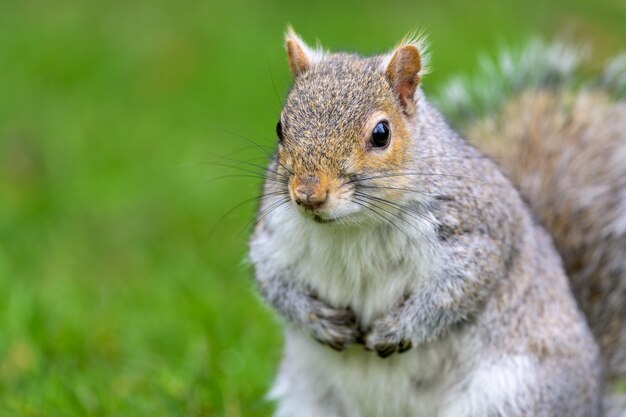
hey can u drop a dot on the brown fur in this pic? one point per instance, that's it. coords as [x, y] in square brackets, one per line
[567, 155]
[403, 72]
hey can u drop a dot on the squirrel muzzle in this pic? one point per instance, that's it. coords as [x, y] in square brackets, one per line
[309, 192]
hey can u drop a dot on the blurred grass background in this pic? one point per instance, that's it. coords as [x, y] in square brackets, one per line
[122, 292]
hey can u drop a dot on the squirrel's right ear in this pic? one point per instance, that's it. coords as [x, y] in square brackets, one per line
[301, 56]
[403, 69]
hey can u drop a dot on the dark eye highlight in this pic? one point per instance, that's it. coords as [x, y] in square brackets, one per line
[279, 131]
[381, 135]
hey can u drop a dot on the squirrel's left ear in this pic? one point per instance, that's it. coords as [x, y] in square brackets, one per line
[301, 56]
[403, 68]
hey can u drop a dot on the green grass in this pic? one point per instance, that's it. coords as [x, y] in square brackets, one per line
[122, 294]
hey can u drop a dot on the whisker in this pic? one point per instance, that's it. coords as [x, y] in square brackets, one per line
[245, 148]
[422, 219]
[265, 212]
[259, 177]
[433, 196]
[424, 174]
[280, 103]
[241, 204]
[407, 211]
[423, 158]
[257, 146]
[370, 207]
[264, 168]
[390, 213]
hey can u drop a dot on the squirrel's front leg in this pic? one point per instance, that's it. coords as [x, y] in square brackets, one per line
[452, 295]
[335, 327]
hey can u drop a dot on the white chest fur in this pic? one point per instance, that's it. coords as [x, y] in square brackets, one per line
[413, 384]
[367, 269]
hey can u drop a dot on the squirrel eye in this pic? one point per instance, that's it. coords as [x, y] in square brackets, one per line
[279, 131]
[380, 135]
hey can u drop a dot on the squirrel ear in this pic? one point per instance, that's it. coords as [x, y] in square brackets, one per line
[403, 70]
[301, 57]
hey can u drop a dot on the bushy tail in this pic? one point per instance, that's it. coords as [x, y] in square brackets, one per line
[561, 137]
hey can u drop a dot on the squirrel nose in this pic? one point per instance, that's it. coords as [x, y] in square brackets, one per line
[310, 197]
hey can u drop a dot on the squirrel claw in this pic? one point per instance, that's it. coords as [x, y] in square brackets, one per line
[404, 346]
[385, 351]
[336, 346]
[387, 337]
[336, 328]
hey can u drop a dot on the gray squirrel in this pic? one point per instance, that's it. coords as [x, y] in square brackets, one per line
[412, 277]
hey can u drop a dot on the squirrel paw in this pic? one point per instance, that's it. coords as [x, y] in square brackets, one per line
[386, 337]
[334, 327]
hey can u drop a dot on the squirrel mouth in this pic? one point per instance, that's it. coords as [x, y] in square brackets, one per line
[318, 219]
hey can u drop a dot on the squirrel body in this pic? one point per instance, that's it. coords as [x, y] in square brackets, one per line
[412, 277]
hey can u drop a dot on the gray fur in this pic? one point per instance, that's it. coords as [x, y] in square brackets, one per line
[336, 327]
[538, 65]
[564, 147]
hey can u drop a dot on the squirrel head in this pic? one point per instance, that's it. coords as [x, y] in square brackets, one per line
[347, 124]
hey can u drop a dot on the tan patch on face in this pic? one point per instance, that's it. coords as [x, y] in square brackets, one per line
[322, 186]
[390, 160]
[317, 182]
